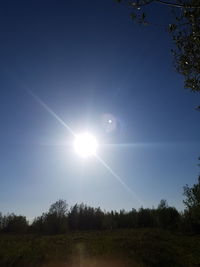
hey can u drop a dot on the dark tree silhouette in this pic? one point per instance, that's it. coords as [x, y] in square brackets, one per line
[185, 31]
[53, 222]
[59, 208]
[192, 203]
[168, 217]
[80, 217]
[14, 223]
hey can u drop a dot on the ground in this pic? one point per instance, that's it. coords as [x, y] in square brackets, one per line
[116, 248]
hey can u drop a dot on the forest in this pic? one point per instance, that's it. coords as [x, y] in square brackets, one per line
[61, 219]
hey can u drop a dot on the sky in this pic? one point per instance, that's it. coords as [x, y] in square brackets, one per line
[85, 63]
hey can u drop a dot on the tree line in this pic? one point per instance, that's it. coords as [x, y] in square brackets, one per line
[61, 219]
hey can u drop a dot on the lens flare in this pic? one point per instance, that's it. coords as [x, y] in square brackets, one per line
[85, 144]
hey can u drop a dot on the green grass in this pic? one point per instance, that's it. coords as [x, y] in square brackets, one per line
[137, 247]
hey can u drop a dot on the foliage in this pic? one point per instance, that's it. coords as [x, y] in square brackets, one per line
[146, 218]
[185, 31]
[53, 222]
[192, 203]
[168, 217]
[12, 223]
[192, 195]
[80, 217]
[59, 208]
[186, 35]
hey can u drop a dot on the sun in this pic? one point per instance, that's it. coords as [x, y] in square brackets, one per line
[85, 145]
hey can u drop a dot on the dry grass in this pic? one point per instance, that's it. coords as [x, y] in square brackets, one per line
[120, 248]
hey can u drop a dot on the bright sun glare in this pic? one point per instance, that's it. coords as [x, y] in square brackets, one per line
[85, 145]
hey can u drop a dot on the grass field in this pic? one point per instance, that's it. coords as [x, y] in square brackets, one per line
[138, 247]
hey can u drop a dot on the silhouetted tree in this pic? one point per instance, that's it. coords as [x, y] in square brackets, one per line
[185, 30]
[37, 225]
[110, 220]
[132, 218]
[83, 217]
[14, 224]
[60, 208]
[168, 217]
[53, 222]
[73, 218]
[192, 203]
[163, 204]
[1, 221]
[146, 218]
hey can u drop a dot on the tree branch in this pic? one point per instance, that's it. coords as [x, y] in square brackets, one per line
[137, 4]
[176, 5]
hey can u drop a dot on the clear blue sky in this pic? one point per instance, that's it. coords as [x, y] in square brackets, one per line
[85, 59]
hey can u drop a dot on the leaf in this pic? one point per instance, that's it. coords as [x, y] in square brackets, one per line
[133, 16]
[143, 16]
[172, 27]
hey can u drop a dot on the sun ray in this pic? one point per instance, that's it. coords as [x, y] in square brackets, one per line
[47, 108]
[119, 179]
